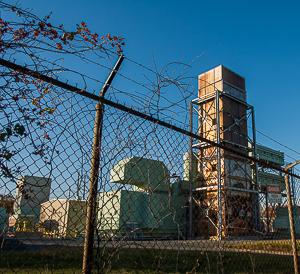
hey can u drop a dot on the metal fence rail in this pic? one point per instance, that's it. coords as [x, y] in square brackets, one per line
[168, 199]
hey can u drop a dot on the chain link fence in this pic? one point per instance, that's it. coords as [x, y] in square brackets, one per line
[169, 200]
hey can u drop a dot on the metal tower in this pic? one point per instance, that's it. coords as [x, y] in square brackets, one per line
[226, 194]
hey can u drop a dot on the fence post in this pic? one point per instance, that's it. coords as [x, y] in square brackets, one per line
[87, 263]
[92, 198]
[292, 223]
[191, 179]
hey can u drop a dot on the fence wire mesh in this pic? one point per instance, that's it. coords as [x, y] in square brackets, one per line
[166, 203]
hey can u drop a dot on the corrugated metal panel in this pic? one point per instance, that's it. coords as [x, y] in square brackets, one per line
[282, 219]
[158, 212]
[155, 213]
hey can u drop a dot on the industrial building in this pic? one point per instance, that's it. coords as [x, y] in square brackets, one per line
[63, 217]
[229, 201]
[220, 194]
[217, 194]
[152, 207]
[31, 192]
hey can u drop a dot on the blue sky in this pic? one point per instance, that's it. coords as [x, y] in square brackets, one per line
[260, 40]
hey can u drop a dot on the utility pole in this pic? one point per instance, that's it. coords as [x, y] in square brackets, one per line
[87, 263]
[291, 215]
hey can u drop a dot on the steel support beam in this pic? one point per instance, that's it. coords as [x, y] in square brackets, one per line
[219, 169]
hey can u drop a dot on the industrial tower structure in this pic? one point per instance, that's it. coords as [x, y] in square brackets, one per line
[221, 194]
[226, 194]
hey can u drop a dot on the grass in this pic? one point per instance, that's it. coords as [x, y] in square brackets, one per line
[68, 260]
[269, 245]
[50, 260]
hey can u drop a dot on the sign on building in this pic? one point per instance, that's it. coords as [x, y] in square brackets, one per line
[274, 194]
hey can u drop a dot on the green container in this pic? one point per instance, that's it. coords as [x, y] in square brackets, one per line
[147, 174]
[142, 213]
